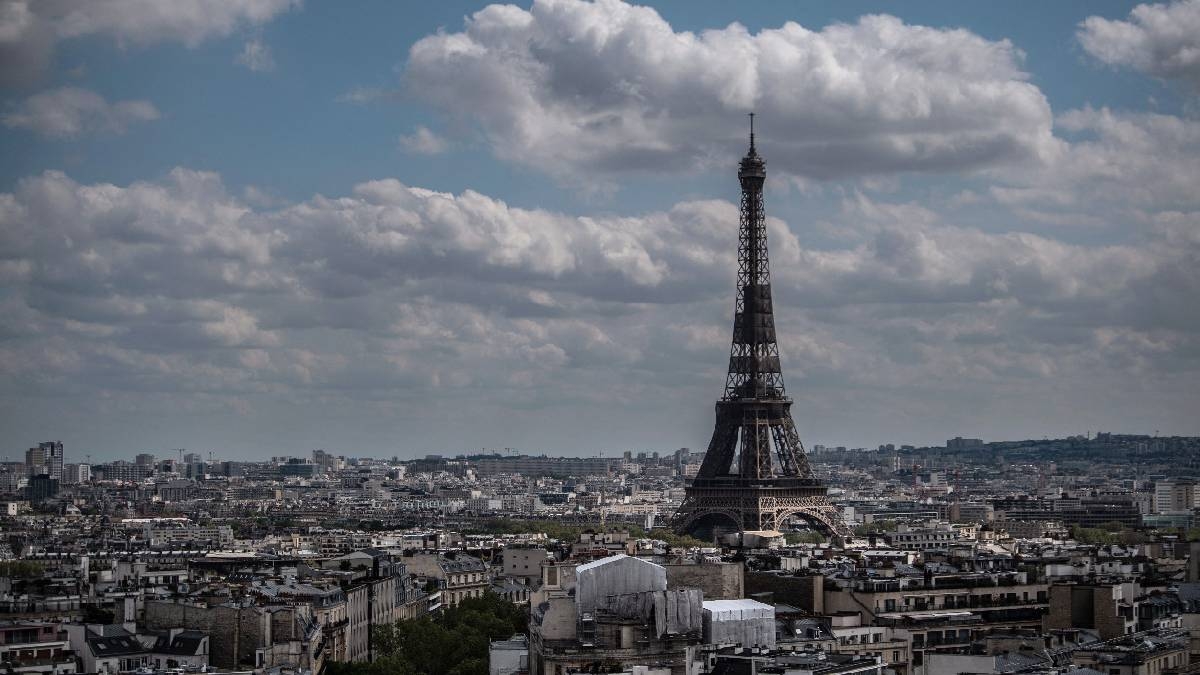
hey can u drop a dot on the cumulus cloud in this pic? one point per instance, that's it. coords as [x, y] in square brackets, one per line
[1119, 168]
[1162, 40]
[903, 260]
[399, 295]
[256, 56]
[388, 231]
[30, 30]
[422, 141]
[70, 112]
[580, 87]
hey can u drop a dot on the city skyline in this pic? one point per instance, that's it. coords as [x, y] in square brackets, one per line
[517, 226]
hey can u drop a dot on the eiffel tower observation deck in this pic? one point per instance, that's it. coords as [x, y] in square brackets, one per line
[755, 475]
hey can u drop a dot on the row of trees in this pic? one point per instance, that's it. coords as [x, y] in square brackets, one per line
[569, 533]
[452, 642]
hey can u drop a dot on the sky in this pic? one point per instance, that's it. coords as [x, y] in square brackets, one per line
[261, 227]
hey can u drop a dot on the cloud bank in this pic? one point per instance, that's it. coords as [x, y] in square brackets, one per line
[398, 296]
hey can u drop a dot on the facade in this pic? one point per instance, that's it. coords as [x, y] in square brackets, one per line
[906, 538]
[35, 461]
[121, 471]
[35, 647]
[748, 661]
[74, 474]
[1175, 495]
[524, 563]
[942, 612]
[107, 649]
[1100, 607]
[42, 487]
[1144, 653]
[458, 577]
[167, 533]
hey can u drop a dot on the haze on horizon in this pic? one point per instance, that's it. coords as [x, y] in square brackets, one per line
[273, 226]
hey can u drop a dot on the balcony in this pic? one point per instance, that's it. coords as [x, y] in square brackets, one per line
[933, 642]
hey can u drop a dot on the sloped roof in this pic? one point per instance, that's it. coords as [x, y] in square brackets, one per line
[600, 563]
[121, 645]
[187, 643]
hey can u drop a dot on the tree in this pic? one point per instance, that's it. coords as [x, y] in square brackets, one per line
[565, 532]
[453, 642]
[875, 527]
[1093, 535]
[20, 569]
[810, 537]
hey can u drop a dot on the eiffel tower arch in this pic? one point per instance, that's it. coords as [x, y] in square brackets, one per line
[755, 474]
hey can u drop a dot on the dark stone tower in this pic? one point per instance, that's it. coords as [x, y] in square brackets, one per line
[755, 475]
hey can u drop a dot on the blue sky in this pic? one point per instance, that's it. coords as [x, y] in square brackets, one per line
[291, 132]
[218, 230]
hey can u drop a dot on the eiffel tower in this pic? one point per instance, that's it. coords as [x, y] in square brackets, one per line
[755, 475]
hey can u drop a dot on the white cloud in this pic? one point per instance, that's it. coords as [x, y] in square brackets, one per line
[256, 56]
[422, 141]
[578, 87]
[148, 21]
[1118, 167]
[1162, 40]
[403, 296]
[29, 30]
[70, 112]
[365, 95]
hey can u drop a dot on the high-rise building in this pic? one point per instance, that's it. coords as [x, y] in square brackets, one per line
[42, 487]
[46, 458]
[144, 459]
[1175, 495]
[74, 474]
[327, 462]
[35, 461]
[54, 459]
[195, 470]
[121, 471]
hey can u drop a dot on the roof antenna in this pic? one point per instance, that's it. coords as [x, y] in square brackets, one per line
[751, 132]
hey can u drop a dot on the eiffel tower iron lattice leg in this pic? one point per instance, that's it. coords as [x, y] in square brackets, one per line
[755, 474]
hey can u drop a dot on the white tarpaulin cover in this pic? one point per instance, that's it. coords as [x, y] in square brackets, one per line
[674, 612]
[678, 612]
[615, 575]
[748, 623]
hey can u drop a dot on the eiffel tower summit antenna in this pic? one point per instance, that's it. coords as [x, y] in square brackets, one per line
[755, 474]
